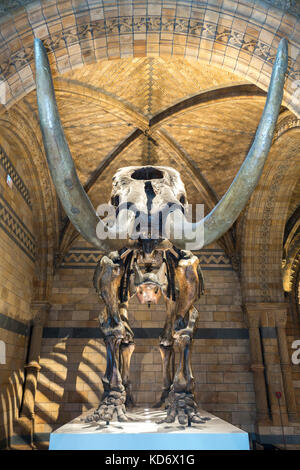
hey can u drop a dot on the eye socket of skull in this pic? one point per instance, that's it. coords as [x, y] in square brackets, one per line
[182, 199]
[115, 200]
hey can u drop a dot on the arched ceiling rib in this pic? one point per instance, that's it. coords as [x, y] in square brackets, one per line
[154, 132]
[148, 127]
[214, 95]
[140, 111]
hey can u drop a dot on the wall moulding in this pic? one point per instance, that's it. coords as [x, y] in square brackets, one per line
[235, 41]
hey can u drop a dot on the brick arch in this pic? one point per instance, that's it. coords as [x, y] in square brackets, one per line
[291, 251]
[17, 128]
[263, 224]
[292, 265]
[66, 88]
[240, 37]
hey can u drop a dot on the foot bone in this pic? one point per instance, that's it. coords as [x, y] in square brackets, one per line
[112, 405]
[183, 407]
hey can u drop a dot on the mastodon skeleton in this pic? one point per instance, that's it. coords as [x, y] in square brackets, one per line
[151, 265]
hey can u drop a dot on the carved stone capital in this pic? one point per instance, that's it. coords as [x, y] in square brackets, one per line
[40, 311]
[281, 318]
[253, 316]
[268, 314]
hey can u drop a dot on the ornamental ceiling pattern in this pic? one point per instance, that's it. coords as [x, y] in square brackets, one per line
[214, 135]
[241, 37]
[174, 112]
[8, 6]
[227, 36]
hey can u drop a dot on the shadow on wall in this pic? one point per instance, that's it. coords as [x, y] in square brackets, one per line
[10, 403]
[69, 382]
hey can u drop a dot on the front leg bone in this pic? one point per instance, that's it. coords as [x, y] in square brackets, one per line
[166, 348]
[126, 349]
[116, 330]
[181, 403]
[114, 396]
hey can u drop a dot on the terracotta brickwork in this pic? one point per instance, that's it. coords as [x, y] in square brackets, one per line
[261, 249]
[164, 82]
[70, 378]
[17, 254]
[238, 36]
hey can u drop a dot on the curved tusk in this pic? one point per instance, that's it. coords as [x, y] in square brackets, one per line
[73, 197]
[225, 213]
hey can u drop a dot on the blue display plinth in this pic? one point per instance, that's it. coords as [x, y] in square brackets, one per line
[142, 433]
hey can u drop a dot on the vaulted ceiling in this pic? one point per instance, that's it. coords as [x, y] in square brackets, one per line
[176, 112]
[153, 103]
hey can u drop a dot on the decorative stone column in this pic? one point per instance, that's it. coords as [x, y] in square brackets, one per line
[257, 365]
[40, 314]
[281, 319]
[272, 362]
[270, 319]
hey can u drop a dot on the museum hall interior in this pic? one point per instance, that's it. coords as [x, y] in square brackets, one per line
[149, 224]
